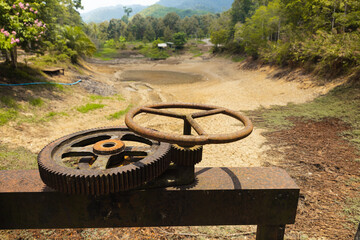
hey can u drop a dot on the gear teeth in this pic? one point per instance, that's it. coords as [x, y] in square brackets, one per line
[186, 156]
[119, 179]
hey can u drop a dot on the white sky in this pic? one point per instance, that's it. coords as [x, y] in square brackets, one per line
[93, 4]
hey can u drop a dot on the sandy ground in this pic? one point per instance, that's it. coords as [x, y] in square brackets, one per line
[214, 81]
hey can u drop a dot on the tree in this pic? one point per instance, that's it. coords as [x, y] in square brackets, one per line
[127, 11]
[159, 27]
[221, 29]
[190, 25]
[205, 23]
[168, 34]
[137, 26]
[115, 28]
[240, 10]
[179, 39]
[172, 20]
[20, 26]
[77, 42]
[149, 34]
[219, 37]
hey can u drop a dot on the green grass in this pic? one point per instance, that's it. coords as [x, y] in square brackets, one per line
[40, 119]
[90, 107]
[198, 55]
[99, 97]
[342, 102]
[48, 60]
[36, 102]
[9, 102]
[16, 158]
[119, 114]
[51, 115]
[238, 58]
[106, 53]
[6, 115]
[119, 97]
[196, 51]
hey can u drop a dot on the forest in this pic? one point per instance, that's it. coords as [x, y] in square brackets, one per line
[318, 35]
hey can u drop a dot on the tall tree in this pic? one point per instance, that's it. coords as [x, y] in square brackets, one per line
[172, 20]
[240, 10]
[137, 26]
[127, 11]
[149, 34]
[114, 28]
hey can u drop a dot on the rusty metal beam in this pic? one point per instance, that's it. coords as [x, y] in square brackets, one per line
[220, 196]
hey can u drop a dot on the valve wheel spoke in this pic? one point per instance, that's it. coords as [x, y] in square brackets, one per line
[195, 125]
[79, 151]
[101, 162]
[208, 113]
[186, 139]
[162, 112]
[137, 151]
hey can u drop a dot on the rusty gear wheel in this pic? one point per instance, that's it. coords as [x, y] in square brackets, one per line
[102, 161]
[186, 156]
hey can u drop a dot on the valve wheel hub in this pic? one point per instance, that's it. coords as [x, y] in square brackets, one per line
[111, 146]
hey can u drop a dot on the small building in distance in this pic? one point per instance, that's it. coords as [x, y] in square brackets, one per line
[162, 45]
[170, 44]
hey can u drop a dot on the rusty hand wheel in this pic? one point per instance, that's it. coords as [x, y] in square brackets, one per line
[187, 140]
[97, 162]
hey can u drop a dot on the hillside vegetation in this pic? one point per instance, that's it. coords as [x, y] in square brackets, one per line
[159, 11]
[214, 6]
[319, 35]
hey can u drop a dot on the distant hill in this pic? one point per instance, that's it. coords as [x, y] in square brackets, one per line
[214, 6]
[157, 11]
[182, 7]
[107, 13]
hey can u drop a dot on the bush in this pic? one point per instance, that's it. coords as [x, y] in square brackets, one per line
[278, 53]
[123, 46]
[179, 39]
[109, 43]
[156, 42]
[154, 53]
[76, 43]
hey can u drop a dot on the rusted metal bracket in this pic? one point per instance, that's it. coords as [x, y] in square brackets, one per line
[266, 197]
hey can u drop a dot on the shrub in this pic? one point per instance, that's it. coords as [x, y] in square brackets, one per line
[154, 53]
